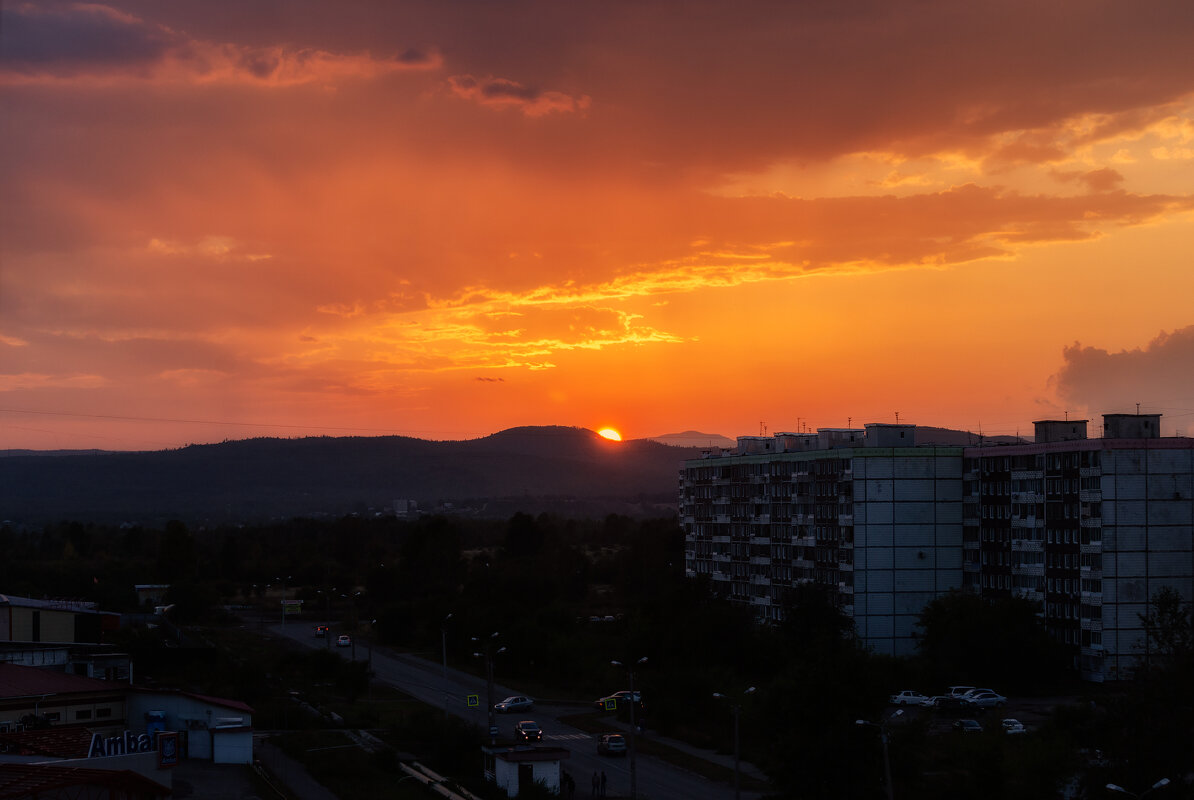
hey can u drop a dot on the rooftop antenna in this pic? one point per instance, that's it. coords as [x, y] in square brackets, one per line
[1067, 416]
[1137, 409]
[848, 421]
[762, 428]
[897, 418]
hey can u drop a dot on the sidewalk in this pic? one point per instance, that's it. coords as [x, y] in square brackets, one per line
[295, 781]
[722, 759]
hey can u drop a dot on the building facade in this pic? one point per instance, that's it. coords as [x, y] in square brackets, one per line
[1091, 529]
[861, 511]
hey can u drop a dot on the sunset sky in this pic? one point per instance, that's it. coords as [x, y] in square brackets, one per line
[221, 220]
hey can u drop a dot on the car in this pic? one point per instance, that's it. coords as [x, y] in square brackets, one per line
[618, 699]
[908, 698]
[321, 631]
[1013, 726]
[947, 702]
[527, 730]
[986, 700]
[514, 703]
[344, 641]
[611, 744]
[958, 691]
[973, 692]
[968, 726]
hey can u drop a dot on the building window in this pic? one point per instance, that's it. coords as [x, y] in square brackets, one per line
[53, 716]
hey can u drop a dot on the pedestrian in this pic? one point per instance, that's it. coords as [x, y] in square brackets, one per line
[603, 783]
[596, 784]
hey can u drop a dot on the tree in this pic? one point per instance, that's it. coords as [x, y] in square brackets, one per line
[1168, 630]
[964, 637]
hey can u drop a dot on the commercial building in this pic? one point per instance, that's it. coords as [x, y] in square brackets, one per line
[1091, 529]
[861, 511]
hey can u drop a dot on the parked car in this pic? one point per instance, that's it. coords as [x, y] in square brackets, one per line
[514, 703]
[611, 744]
[968, 726]
[958, 691]
[947, 702]
[528, 730]
[1012, 726]
[973, 692]
[344, 641]
[321, 631]
[619, 698]
[909, 698]
[986, 700]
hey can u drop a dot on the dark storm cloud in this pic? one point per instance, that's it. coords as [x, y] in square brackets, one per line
[68, 38]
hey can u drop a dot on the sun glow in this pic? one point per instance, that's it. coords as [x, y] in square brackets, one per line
[611, 434]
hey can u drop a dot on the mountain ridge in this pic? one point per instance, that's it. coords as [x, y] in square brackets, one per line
[572, 471]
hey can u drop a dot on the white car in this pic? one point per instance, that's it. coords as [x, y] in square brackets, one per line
[909, 698]
[514, 703]
[344, 641]
[973, 692]
[986, 700]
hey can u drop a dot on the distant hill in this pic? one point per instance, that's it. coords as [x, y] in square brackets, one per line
[694, 439]
[534, 468]
[570, 471]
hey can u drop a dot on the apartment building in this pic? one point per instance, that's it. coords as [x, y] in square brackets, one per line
[1091, 529]
[862, 511]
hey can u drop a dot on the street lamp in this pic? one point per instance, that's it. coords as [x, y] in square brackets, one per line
[443, 630]
[736, 707]
[355, 621]
[284, 582]
[633, 703]
[327, 604]
[882, 726]
[1161, 784]
[488, 656]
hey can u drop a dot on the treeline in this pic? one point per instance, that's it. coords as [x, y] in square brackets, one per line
[539, 582]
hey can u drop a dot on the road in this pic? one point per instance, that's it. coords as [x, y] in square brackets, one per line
[424, 680]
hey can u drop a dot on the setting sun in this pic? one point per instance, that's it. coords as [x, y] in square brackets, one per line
[611, 434]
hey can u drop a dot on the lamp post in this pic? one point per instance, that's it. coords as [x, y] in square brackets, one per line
[1161, 784]
[327, 616]
[284, 582]
[736, 708]
[355, 622]
[882, 726]
[443, 630]
[633, 703]
[488, 656]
